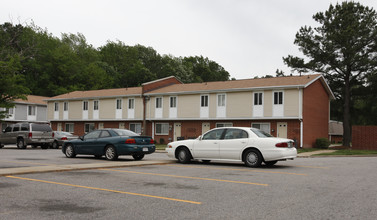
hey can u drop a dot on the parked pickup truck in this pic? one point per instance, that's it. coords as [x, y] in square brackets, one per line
[23, 134]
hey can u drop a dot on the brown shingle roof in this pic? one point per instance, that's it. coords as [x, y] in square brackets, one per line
[238, 84]
[99, 93]
[33, 99]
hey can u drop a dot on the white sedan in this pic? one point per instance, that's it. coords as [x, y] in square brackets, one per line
[249, 145]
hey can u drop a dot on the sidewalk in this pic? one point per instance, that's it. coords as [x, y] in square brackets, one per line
[309, 154]
[58, 168]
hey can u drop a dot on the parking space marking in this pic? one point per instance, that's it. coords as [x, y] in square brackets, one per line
[187, 177]
[245, 170]
[107, 190]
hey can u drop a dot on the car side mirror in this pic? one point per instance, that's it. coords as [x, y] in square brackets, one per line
[81, 137]
[200, 137]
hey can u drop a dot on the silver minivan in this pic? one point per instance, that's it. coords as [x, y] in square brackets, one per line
[23, 134]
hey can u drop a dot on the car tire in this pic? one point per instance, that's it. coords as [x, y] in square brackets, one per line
[270, 163]
[44, 146]
[138, 156]
[55, 145]
[70, 151]
[253, 158]
[111, 153]
[1, 145]
[21, 143]
[183, 155]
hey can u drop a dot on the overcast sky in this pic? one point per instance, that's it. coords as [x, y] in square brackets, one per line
[247, 37]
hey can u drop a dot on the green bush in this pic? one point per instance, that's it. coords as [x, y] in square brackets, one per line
[322, 143]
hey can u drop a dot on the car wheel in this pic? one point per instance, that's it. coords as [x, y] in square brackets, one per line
[183, 155]
[253, 158]
[138, 156]
[110, 153]
[55, 145]
[21, 143]
[44, 146]
[70, 151]
[98, 156]
[270, 163]
[1, 145]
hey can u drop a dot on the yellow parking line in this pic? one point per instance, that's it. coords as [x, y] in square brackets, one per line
[107, 190]
[245, 170]
[187, 177]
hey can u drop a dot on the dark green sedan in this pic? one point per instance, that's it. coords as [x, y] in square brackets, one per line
[111, 143]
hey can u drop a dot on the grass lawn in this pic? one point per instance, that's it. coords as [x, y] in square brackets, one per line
[160, 146]
[351, 152]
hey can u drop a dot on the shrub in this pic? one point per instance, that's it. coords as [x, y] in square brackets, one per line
[162, 141]
[322, 143]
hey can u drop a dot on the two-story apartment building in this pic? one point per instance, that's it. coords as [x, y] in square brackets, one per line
[295, 107]
[34, 109]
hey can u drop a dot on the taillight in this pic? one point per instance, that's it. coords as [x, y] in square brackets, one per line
[64, 138]
[152, 141]
[131, 141]
[30, 135]
[284, 144]
[53, 135]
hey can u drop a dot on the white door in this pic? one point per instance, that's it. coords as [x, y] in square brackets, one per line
[177, 131]
[282, 129]
[209, 145]
[205, 127]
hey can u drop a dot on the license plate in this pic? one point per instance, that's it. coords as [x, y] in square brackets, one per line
[145, 149]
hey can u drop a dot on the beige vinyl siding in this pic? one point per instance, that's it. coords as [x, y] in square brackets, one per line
[267, 105]
[139, 108]
[188, 106]
[50, 110]
[90, 109]
[107, 108]
[212, 99]
[239, 104]
[61, 110]
[165, 107]
[151, 107]
[124, 107]
[291, 103]
[75, 109]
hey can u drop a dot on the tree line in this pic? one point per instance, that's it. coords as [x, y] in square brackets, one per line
[35, 61]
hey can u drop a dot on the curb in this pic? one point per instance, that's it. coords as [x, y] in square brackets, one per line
[61, 168]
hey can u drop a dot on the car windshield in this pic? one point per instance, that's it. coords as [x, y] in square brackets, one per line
[124, 132]
[260, 133]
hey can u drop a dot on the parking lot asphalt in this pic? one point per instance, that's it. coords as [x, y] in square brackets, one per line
[42, 168]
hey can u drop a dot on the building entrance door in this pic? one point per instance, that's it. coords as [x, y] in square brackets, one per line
[282, 129]
[177, 131]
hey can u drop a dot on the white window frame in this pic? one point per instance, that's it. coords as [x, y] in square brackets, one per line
[131, 108]
[262, 123]
[221, 105]
[118, 108]
[204, 105]
[65, 110]
[90, 128]
[173, 106]
[137, 127]
[224, 124]
[31, 110]
[278, 108]
[85, 109]
[70, 126]
[163, 130]
[158, 107]
[95, 109]
[258, 107]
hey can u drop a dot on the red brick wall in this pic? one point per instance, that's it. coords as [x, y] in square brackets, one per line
[364, 137]
[315, 113]
[192, 129]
